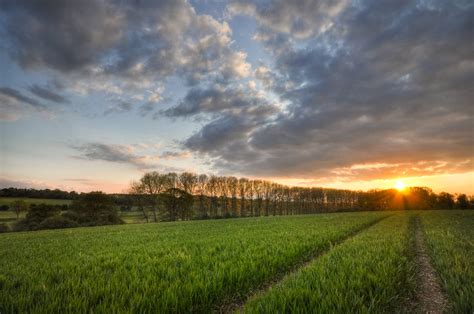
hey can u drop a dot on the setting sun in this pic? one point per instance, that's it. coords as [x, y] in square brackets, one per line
[400, 185]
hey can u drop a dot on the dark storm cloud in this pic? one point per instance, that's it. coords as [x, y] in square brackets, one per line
[47, 94]
[112, 153]
[380, 81]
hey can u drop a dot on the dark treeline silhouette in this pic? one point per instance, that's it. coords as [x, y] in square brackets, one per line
[156, 195]
[33, 193]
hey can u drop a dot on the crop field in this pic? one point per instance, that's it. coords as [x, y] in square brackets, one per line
[311, 263]
[450, 240]
[370, 272]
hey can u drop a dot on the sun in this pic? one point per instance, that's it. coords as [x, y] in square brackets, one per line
[399, 185]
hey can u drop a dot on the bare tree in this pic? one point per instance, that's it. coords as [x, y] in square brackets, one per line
[250, 196]
[201, 189]
[212, 188]
[153, 184]
[137, 190]
[243, 187]
[233, 186]
[18, 207]
[188, 181]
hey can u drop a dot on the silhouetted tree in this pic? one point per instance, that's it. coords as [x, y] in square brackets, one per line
[462, 201]
[178, 203]
[18, 207]
[445, 200]
[94, 209]
[35, 216]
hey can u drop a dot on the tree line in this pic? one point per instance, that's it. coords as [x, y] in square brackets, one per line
[43, 194]
[173, 196]
[184, 196]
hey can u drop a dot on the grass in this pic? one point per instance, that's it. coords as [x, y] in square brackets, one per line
[9, 200]
[360, 264]
[166, 267]
[133, 217]
[450, 239]
[9, 216]
[370, 272]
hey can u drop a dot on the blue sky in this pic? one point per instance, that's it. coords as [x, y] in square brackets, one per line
[350, 94]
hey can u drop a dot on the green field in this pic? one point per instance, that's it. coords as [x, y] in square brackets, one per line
[312, 263]
[450, 240]
[370, 272]
[9, 200]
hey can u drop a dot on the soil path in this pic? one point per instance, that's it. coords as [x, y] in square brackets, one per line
[429, 295]
[237, 305]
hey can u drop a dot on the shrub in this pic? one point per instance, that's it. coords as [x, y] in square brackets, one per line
[57, 222]
[38, 213]
[94, 209]
[24, 225]
[35, 216]
[4, 228]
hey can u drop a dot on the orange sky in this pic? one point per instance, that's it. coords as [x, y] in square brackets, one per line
[452, 183]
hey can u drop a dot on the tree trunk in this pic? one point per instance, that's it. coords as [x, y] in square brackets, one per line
[145, 214]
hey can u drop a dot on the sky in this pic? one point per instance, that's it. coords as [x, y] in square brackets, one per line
[333, 93]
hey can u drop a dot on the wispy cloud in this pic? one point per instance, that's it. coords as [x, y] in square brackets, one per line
[113, 153]
[14, 104]
[47, 94]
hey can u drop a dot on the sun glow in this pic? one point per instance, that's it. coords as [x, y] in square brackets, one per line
[399, 185]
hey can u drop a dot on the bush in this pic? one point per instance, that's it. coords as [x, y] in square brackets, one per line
[72, 216]
[94, 209]
[4, 228]
[38, 213]
[24, 225]
[35, 216]
[57, 222]
[4, 207]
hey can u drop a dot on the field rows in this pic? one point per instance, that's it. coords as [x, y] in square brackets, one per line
[361, 261]
[170, 267]
[367, 272]
[450, 242]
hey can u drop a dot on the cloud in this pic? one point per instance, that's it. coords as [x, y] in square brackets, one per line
[346, 83]
[25, 183]
[113, 153]
[230, 113]
[47, 94]
[62, 35]
[382, 84]
[300, 18]
[171, 155]
[14, 104]
[219, 100]
[17, 95]
[92, 43]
